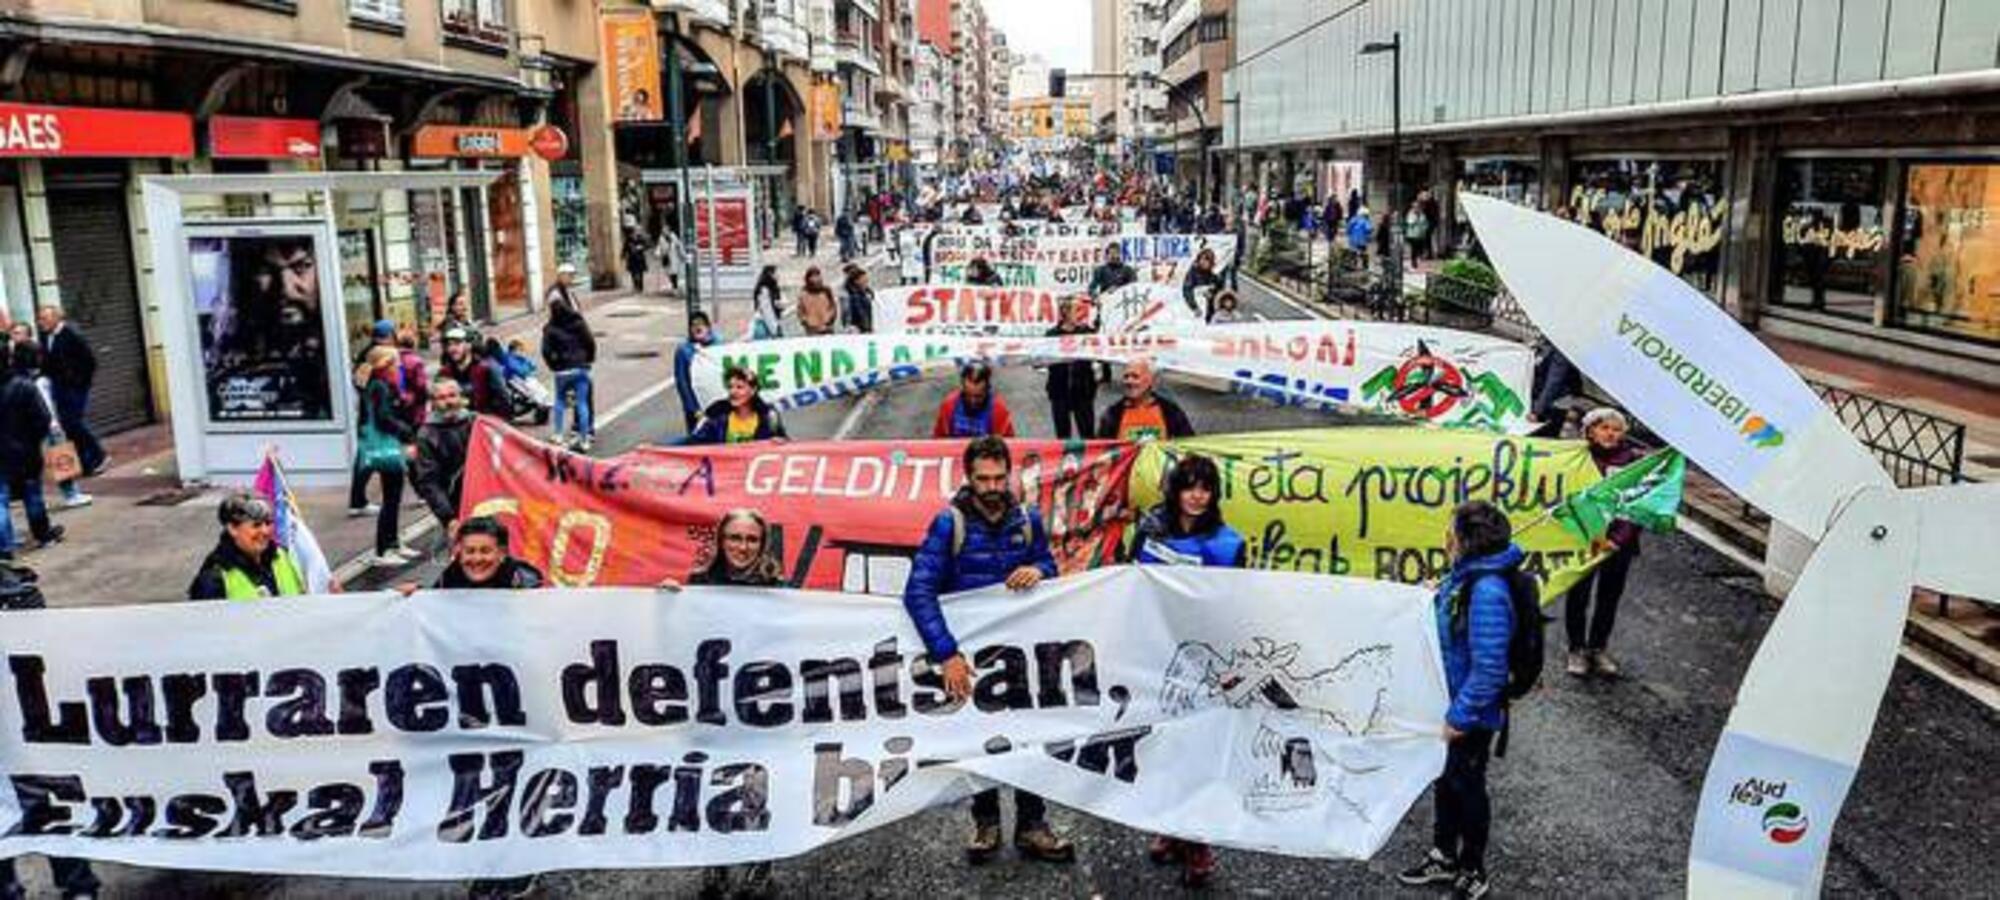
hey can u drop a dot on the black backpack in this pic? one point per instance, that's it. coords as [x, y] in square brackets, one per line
[1524, 645]
[18, 588]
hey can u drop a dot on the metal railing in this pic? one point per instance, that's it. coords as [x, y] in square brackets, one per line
[1919, 449]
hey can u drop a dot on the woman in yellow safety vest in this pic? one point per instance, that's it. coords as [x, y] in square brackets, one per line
[247, 563]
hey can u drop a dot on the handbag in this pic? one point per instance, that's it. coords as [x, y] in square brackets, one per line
[60, 461]
[377, 451]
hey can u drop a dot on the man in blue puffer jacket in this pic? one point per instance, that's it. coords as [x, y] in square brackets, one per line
[1475, 626]
[984, 538]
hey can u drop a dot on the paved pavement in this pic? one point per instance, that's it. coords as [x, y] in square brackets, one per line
[1596, 798]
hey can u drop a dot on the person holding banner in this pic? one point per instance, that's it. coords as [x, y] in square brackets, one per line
[741, 417]
[700, 334]
[860, 300]
[976, 409]
[1476, 626]
[1072, 385]
[985, 537]
[247, 563]
[1202, 281]
[980, 272]
[1605, 428]
[1113, 273]
[1186, 529]
[1142, 414]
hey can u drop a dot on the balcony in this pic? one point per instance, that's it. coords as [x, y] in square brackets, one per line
[859, 115]
[868, 8]
[891, 87]
[850, 50]
[712, 13]
[779, 33]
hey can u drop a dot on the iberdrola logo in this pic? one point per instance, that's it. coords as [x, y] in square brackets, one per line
[1785, 823]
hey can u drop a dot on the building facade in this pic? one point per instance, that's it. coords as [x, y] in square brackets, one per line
[1832, 179]
[1195, 51]
[1106, 56]
[205, 86]
[1142, 110]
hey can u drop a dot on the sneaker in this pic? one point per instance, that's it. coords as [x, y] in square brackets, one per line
[55, 536]
[985, 842]
[1602, 663]
[388, 560]
[361, 512]
[1435, 869]
[1578, 664]
[1164, 850]
[1042, 844]
[584, 445]
[1198, 864]
[77, 500]
[1470, 886]
[409, 554]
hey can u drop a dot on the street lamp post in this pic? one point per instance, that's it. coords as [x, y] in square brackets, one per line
[1394, 47]
[676, 120]
[1235, 104]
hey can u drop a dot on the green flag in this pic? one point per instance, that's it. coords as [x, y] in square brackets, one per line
[1646, 493]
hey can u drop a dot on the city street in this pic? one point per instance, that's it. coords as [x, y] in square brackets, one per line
[1596, 797]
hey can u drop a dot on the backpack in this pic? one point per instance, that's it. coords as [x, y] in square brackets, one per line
[1524, 645]
[18, 588]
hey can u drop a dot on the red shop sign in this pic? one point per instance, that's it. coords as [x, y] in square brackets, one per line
[548, 142]
[238, 137]
[30, 130]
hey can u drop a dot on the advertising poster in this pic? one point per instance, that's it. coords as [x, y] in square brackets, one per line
[263, 330]
[632, 62]
[1951, 255]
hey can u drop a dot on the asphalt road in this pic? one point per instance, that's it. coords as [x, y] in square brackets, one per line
[1596, 798]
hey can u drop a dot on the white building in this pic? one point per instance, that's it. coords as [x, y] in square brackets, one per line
[1142, 111]
[930, 108]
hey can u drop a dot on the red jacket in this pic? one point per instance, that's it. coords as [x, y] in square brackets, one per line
[996, 419]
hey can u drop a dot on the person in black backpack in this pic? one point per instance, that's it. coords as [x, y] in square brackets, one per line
[1488, 624]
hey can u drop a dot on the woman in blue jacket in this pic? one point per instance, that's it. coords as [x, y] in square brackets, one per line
[700, 334]
[1475, 622]
[1187, 530]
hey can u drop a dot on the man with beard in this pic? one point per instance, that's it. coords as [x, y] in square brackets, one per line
[478, 378]
[439, 471]
[983, 538]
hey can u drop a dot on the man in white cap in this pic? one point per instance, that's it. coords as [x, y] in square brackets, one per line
[560, 292]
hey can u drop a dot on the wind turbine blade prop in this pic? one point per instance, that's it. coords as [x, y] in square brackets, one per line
[1675, 359]
[1961, 532]
[1806, 709]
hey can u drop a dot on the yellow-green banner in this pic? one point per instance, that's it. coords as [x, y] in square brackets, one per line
[1375, 502]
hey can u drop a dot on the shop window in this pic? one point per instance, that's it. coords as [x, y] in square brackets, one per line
[1832, 238]
[17, 285]
[1670, 210]
[382, 12]
[1948, 268]
[482, 21]
[1515, 181]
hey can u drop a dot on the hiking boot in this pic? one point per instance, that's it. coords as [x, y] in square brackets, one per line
[985, 842]
[1042, 844]
[1602, 664]
[1578, 663]
[1470, 886]
[1164, 850]
[1198, 864]
[1436, 868]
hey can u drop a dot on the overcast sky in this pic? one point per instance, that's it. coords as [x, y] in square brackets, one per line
[1059, 30]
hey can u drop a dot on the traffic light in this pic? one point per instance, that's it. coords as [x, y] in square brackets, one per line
[1058, 80]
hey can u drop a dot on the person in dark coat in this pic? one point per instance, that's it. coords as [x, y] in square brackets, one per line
[381, 408]
[439, 469]
[741, 417]
[1591, 607]
[1142, 414]
[980, 272]
[700, 334]
[1198, 289]
[983, 538]
[71, 366]
[860, 300]
[570, 350]
[25, 421]
[1113, 273]
[479, 378]
[1072, 385]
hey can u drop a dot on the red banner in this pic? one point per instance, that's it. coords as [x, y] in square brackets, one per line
[849, 514]
[31, 130]
[238, 137]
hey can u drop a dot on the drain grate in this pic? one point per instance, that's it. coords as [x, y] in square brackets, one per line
[628, 314]
[171, 497]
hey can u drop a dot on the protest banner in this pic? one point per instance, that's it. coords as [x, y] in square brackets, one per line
[499, 733]
[1435, 375]
[1376, 502]
[1066, 263]
[1038, 228]
[848, 515]
[1024, 312]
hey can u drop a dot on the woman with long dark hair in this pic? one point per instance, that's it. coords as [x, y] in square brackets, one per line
[1186, 529]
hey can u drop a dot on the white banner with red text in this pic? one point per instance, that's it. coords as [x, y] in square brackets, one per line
[1025, 311]
[466, 734]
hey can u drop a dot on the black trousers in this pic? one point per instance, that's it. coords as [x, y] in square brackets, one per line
[1073, 411]
[1463, 812]
[389, 521]
[1030, 811]
[1604, 585]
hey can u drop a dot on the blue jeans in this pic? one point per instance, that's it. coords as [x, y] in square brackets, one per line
[29, 492]
[72, 405]
[573, 382]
